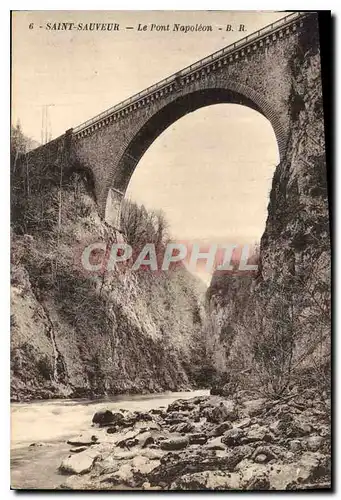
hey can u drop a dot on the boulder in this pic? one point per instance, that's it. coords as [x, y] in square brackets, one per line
[147, 487]
[275, 428]
[159, 411]
[199, 399]
[107, 417]
[79, 463]
[304, 428]
[79, 449]
[258, 433]
[295, 445]
[265, 453]
[261, 458]
[181, 405]
[128, 420]
[313, 443]
[197, 438]
[142, 415]
[312, 470]
[233, 437]
[145, 439]
[152, 454]
[176, 443]
[193, 460]
[143, 426]
[127, 439]
[215, 444]
[255, 407]
[221, 428]
[130, 475]
[176, 417]
[183, 427]
[244, 423]
[195, 415]
[128, 443]
[296, 429]
[290, 427]
[221, 412]
[83, 440]
[324, 431]
[216, 390]
[207, 480]
[124, 475]
[259, 482]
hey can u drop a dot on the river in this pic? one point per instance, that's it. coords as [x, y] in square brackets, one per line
[46, 425]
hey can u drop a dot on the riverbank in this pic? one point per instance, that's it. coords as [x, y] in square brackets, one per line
[47, 425]
[205, 443]
[88, 395]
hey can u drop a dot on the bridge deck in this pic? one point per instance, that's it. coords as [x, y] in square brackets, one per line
[263, 33]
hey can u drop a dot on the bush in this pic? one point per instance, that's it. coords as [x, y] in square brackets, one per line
[44, 368]
[141, 226]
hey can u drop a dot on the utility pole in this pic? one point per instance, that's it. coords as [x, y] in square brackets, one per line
[46, 132]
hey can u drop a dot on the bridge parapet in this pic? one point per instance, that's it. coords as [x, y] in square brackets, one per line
[243, 47]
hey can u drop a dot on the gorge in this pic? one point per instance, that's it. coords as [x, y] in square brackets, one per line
[260, 343]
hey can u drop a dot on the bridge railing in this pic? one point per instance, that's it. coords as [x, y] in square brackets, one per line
[243, 41]
[193, 67]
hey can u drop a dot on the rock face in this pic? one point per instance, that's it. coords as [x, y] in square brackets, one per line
[78, 335]
[248, 456]
[272, 330]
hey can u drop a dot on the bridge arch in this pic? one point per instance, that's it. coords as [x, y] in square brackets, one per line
[145, 132]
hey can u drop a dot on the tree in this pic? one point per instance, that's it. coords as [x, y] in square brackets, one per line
[141, 226]
[286, 338]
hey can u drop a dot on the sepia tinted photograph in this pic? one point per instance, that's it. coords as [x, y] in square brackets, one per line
[170, 250]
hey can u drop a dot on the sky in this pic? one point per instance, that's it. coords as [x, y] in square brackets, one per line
[213, 186]
[211, 170]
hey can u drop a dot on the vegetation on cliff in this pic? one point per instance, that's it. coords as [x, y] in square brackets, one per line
[79, 333]
[274, 329]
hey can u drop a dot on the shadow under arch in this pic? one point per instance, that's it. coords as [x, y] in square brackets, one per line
[147, 133]
[77, 173]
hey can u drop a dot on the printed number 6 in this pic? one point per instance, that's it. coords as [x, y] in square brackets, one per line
[31, 25]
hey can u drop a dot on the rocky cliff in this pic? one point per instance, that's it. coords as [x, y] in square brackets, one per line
[76, 334]
[274, 328]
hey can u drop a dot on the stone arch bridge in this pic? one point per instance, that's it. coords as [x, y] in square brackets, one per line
[258, 71]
